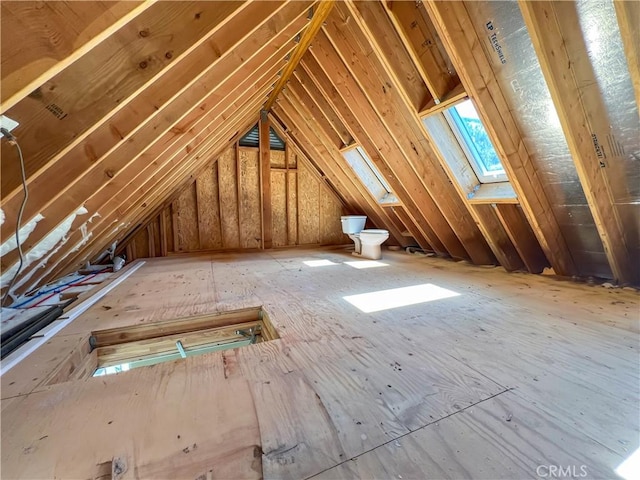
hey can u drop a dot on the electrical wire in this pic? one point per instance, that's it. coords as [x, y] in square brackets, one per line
[12, 140]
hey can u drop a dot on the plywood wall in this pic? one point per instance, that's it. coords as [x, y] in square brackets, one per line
[222, 208]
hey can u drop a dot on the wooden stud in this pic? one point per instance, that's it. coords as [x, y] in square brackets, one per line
[163, 234]
[151, 239]
[265, 180]
[628, 14]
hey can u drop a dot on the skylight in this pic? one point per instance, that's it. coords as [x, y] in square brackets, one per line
[472, 136]
[369, 175]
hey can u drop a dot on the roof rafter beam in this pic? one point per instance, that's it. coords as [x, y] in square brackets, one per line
[554, 30]
[320, 14]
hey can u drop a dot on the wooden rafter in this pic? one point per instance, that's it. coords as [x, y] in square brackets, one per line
[16, 85]
[583, 120]
[320, 14]
[628, 14]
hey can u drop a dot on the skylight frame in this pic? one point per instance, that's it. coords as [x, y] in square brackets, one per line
[470, 149]
[383, 194]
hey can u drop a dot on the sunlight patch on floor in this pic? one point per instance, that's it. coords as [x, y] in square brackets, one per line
[319, 263]
[366, 264]
[630, 468]
[399, 297]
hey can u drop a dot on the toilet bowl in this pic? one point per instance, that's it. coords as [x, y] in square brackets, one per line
[367, 242]
[370, 243]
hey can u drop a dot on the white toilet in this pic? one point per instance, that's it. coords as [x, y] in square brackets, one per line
[367, 242]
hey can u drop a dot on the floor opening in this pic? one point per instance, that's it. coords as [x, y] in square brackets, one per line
[121, 349]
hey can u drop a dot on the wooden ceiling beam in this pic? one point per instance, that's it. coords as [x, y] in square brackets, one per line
[73, 29]
[553, 30]
[324, 108]
[301, 121]
[628, 15]
[416, 33]
[73, 102]
[141, 197]
[457, 33]
[320, 14]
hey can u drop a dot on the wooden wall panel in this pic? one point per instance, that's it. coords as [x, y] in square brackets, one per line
[186, 211]
[278, 159]
[228, 195]
[308, 206]
[250, 211]
[330, 213]
[141, 244]
[221, 208]
[208, 209]
[279, 207]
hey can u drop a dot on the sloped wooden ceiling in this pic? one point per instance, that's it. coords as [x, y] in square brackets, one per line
[121, 108]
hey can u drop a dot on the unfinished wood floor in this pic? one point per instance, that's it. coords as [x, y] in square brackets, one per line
[514, 372]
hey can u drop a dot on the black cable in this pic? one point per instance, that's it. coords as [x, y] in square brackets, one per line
[12, 140]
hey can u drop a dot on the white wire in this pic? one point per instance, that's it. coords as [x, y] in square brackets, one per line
[19, 220]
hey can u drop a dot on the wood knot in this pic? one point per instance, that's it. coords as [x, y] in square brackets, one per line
[144, 33]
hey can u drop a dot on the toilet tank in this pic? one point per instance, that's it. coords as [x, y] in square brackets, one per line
[353, 223]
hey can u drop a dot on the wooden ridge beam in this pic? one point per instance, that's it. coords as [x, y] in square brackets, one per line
[583, 120]
[456, 31]
[320, 14]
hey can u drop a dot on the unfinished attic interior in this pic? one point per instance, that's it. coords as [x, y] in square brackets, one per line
[317, 239]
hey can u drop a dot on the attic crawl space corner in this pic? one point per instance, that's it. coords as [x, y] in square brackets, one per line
[167, 164]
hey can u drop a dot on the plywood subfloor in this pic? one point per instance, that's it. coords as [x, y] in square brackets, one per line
[514, 372]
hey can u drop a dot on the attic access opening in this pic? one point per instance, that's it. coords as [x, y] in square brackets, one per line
[121, 349]
[252, 139]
